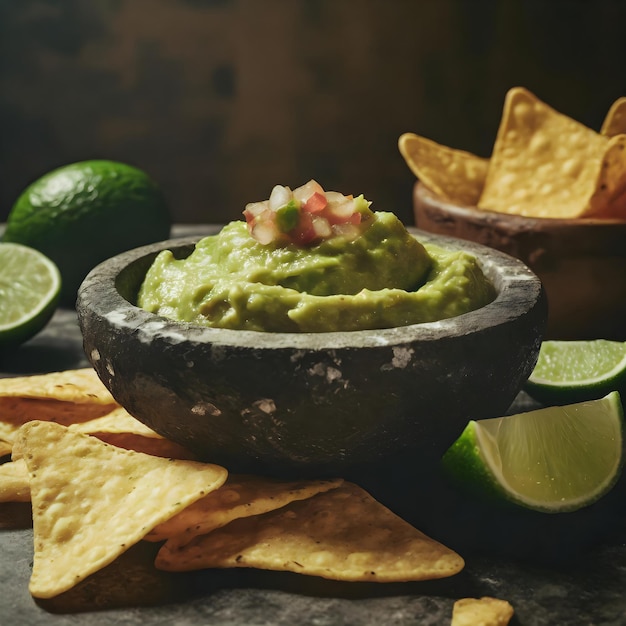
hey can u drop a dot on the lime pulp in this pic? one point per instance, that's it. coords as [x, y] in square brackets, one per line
[574, 371]
[555, 459]
[30, 286]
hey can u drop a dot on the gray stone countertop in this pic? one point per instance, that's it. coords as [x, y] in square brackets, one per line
[553, 569]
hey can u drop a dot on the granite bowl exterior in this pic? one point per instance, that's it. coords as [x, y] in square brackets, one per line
[581, 263]
[311, 403]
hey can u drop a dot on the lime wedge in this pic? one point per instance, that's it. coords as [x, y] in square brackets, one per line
[30, 285]
[555, 459]
[573, 371]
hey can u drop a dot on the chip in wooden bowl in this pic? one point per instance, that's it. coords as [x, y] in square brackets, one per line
[546, 164]
[456, 175]
[615, 120]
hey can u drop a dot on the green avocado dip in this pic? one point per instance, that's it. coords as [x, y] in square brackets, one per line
[381, 278]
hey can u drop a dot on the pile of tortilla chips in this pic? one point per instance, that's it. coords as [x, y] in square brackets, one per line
[99, 484]
[543, 165]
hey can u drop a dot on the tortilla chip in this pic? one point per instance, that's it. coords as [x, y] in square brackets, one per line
[615, 120]
[92, 501]
[609, 198]
[341, 534]
[121, 429]
[16, 411]
[5, 448]
[79, 385]
[481, 612]
[544, 164]
[240, 496]
[14, 484]
[156, 446]
[456, 175]
[118, 420]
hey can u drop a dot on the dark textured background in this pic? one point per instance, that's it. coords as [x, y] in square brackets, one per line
[221, 99]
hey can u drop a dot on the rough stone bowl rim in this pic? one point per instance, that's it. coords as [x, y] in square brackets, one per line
[517, 293]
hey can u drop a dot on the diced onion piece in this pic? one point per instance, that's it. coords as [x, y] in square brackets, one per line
[347, 230]
[280, 196]
[265, 232]
[303, 193]
[342, 211]
[253, 209]
[335, 197]
[321, 227]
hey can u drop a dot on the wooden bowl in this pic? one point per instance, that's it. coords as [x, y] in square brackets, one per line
[311, 403]
[581, 263]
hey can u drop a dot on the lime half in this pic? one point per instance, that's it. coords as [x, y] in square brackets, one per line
[30, 285]
[555, 459]
[573, 371]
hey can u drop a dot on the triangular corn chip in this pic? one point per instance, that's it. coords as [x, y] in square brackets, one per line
[544, 164]
[79, 385]
[609, 197]
[16, 411]
[615, 120]
[14, 483]
[119, 420]
[155, 446]
[455, 175]
[341, 534]
[240, 496]
[121, 429]
[5, 447]
[92, 501]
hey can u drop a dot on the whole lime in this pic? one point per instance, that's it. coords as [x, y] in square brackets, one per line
[83, 213]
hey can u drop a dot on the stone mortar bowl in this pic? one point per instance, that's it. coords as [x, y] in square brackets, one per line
[581, 263]
[303, 404]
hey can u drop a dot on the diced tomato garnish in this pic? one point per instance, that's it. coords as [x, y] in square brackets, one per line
[304, 233]
[316, 203]
[316, 215]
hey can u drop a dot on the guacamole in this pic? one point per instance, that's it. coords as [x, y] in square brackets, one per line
[383, 277]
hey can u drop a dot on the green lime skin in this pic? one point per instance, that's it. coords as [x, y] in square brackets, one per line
[83, 213]
[463, 464]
